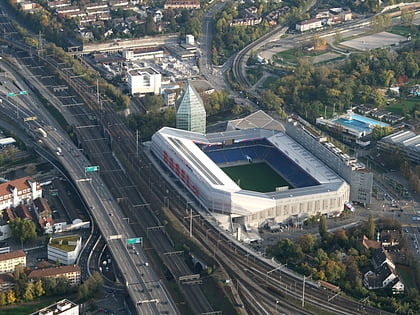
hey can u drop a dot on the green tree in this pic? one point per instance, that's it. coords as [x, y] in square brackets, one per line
[38, 288]
[307, 242]
[371, 227]
[29, 293]
[323, 227]
[3, 300]
[407, 16]
[22, 230]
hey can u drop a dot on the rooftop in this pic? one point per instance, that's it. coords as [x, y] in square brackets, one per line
[67, 243]
[12, 255]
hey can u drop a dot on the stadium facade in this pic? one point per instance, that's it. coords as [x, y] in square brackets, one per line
[196, 160]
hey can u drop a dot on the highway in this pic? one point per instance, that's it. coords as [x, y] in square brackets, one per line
[106, 214]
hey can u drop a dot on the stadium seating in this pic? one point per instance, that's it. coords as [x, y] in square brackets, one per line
[262, 150]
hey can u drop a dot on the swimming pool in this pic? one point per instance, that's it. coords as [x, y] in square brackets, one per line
[359, 123]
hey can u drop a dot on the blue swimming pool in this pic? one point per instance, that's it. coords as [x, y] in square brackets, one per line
[359, 123]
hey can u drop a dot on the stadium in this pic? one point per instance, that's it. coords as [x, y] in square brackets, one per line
[251, 176]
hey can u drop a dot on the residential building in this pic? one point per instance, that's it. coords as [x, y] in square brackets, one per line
[405, 141]
[144, 80]
[182, 4]
[384, 274]
[44, 215]
[19, 191]
[9, 261]
[63, 307]
[7, 282]
[5, 231]
[22, 212]
[72, 273]
[64, 249]
[191, 114]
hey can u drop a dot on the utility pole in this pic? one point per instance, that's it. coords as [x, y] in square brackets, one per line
[303, 290]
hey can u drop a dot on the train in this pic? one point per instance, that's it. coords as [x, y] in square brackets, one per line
[328, 286]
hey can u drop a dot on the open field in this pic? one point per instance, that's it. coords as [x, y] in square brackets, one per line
[257, 177]
[378, 40]
[403, 106]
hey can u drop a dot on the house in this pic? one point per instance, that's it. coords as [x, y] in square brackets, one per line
[367, 243]
[383, 277]
[72, 273]
[19, 191]
[44, 215]
[390, 238]
[8, 261]
[384, 274]
[23, 212]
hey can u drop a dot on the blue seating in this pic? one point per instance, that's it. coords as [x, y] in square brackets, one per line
[262, 150]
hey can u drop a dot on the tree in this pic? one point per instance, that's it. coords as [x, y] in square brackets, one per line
[3, 298]
[407, 16]
[10, 297]
[23, 230]
[323, 227]
[371, 227]
[38, 288]
[29, 293]
[307, 242]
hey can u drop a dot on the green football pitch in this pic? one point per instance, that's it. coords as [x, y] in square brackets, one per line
[257, 177]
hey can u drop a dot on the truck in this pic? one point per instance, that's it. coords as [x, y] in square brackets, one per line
[42, 132]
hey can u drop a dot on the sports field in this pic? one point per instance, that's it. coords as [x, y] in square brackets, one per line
[257, 177]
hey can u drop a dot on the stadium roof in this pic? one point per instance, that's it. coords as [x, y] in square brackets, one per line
[258, 119]
[185, 143]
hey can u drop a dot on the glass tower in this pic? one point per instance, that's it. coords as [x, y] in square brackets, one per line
[191, 114]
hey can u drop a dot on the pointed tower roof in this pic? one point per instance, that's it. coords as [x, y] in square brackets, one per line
[191, 114]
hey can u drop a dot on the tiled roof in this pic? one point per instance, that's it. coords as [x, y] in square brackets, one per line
[12, 255]
[23, 212]
[49, 272]
[19, 184]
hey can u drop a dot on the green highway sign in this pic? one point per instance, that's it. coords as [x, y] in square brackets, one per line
[90, 169]
[135, 240]
[10, 94]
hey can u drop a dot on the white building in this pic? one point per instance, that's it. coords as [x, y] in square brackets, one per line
[308, 25]
[144, 80]
[9, 261]
[65, 249]
[63, 307]
[19, 191]
[143, 54]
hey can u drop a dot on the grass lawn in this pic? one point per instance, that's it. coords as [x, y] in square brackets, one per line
[257, 177]
[407, 276]
[267, 82]
[402, 106]
[401, 30]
